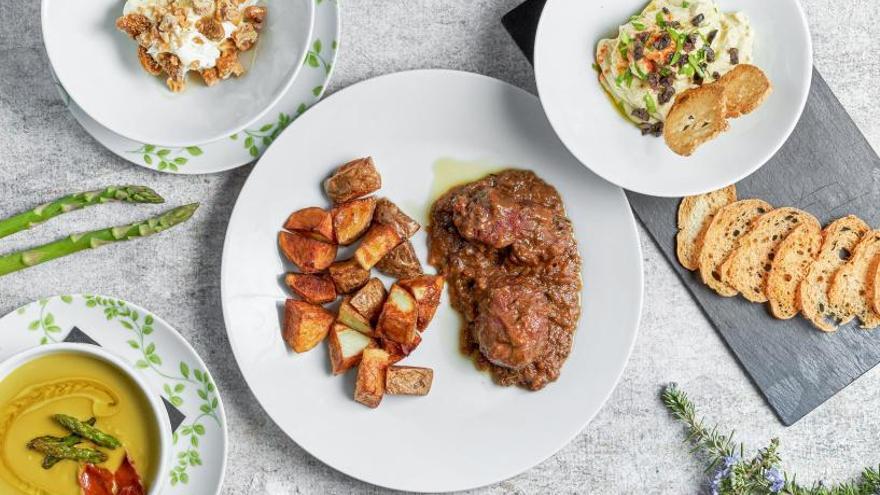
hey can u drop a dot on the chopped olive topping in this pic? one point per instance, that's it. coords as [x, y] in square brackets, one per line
[638, 50]
[710, 53]
[662, 42]
[642, 37]
[734, 55]
[655, 129]
[716, 75]
[698, 79]
[711, 36]
[642, 114]
[665, 10]
[666, 94]
[675, 24]
[690, 42]
[698, 19]
[654, 80]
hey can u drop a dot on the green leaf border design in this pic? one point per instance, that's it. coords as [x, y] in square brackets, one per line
[167, 159]
[187, 438]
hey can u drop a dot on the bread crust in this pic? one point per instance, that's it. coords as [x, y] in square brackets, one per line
[694, 215]
[851, 291]
[793, 258]
[839, 239]
[745, 89]
[697, 116]
[729, 224]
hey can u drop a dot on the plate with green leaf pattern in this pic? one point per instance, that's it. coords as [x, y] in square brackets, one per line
[245, 146]
[167, 363]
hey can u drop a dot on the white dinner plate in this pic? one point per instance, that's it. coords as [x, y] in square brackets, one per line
[467, 432]
[166, 361]
[240, 148]
[98, 66]
[592, 129]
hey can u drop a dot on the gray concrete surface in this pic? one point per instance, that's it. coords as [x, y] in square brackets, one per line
[631, 447]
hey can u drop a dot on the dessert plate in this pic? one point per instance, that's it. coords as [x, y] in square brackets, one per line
[467, 432]
[247, 145]
[590, 126]
[167, 362]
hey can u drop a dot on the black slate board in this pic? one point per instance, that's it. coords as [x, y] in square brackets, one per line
[828, 168]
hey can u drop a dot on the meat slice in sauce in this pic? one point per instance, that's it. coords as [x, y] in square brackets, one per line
[512, 327]
[513, 270]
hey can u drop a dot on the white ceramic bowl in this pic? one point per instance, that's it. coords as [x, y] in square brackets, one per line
[98, 66]
[590, 127]
[159, 416]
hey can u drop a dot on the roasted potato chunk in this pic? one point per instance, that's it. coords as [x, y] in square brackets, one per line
[352, 219]
[313, 221]
[426, 290]
[408, 380]
[353, 180]
[401, 262]
[305, 324]
[309, 255]
[399, 316]
[396, 351]
[378, 242]
[370, 384]
[387, 213]
[348, 276]
[349, 317]
[368, 300]
[346, 347]
[316, 289]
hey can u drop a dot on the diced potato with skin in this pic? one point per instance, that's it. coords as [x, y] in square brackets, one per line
[426, 290]
[370, 384]
[316, 289]
[397, 352]
[368, 300]
[387, 213]
[313, 221]
[399, 316]
[348, 276]
[353, 180]
[305, 324]
[401, 262]
[309, 255]
[346, 347]
[352, 219]
[408, 380]
[378, 242]
[349, 317]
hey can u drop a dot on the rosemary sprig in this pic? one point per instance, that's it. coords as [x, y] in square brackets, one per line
[733, 474]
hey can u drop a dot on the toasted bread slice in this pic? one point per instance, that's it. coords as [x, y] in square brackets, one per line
[839, 239]
[851, 290]
[745, 88]
[793, 258]
[697, 116]
[747, 267]
[729, 224]
[694, 215]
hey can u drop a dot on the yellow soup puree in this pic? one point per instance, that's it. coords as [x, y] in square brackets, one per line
[80, 386]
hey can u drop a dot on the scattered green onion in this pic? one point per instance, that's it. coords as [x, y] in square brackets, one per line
[685, 5]
[638, 71]
[649, 103]
[623, 51]
[628, 78]
[664, 71]
[638, 25]
[618, 80]
[687, 70]
[624, 38]
[675, 58]
[660, 20]
[694, 62]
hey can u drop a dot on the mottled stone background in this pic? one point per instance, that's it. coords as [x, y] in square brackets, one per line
[631, 447]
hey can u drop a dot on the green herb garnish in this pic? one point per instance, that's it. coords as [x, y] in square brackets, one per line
[660, 20]
[687, 70]
[628, 78]
[638, 71]
[685, 5]
[675, 58]
[638, 25]
[649, 103]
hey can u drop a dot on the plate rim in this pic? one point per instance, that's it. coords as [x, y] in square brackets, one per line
[630, 346]
[180, 340]
[553, 118]
[312, 7]
[211, 158]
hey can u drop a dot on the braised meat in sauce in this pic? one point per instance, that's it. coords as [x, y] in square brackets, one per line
[510, 258]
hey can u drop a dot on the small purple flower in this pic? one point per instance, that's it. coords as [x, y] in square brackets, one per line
[777, 482]
[722, 473]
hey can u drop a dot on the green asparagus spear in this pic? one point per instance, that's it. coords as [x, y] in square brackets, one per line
[51, 446]
[87, 431]
[70, 441]
[28, 219]
[78, 242]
